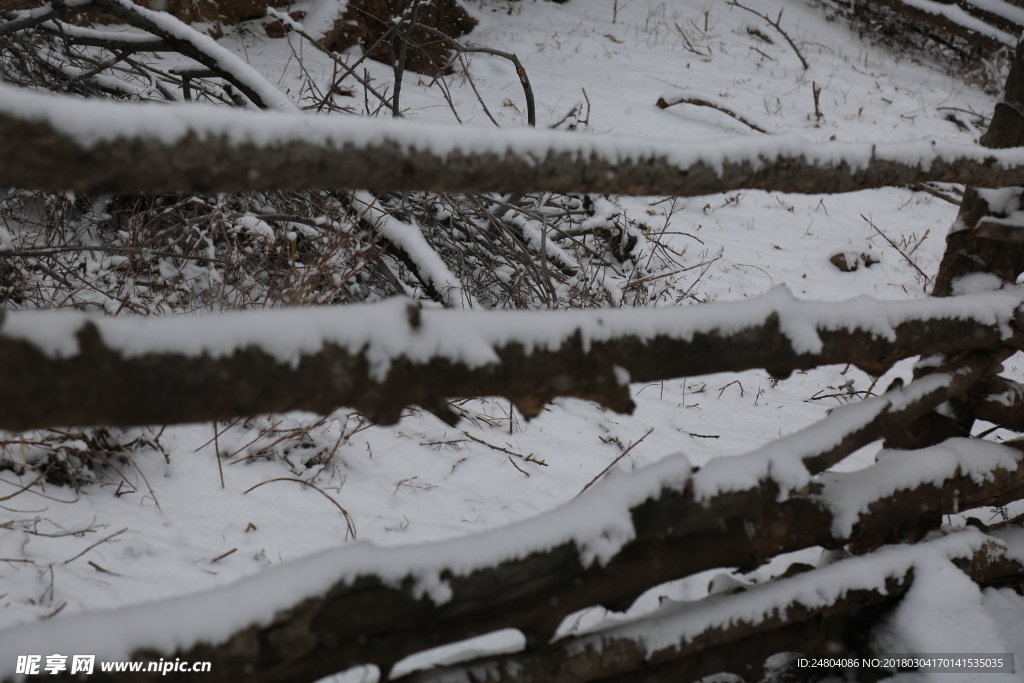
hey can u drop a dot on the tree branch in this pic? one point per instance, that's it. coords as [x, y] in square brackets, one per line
[184, 39]
[955, 20]
[177, 370]
[701, 100]
[734, 633]
[55, 144]
[379, 616]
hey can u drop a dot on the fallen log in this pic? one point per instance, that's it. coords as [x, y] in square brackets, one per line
[361, 604]
[687, 641]
[54, 143]
[67, 368]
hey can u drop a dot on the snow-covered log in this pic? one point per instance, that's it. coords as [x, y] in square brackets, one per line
[990, 25]
[362, 604]
[807, 613]
[69, 368]
[1001, 403]
[51, 142]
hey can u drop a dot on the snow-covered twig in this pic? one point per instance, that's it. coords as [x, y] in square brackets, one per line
[424, 261]
[173, 32]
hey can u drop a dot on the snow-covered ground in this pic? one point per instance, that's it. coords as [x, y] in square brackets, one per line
[174, 522]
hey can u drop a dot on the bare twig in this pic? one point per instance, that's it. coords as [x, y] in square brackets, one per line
[774, 24]
[102, 540]
[612, 463]
[53, 251]
[945, 196]
[221, 557]
[696, 100]
[526, 458]
[350, 524]
[524, 79]
[399, 65]
[927, 278]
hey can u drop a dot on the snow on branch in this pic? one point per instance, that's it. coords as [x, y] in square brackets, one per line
[54, 143]
[172, 33]
[683, 641]
[364, 604]
[20, 20]
[381, 358]
[990, 25]
[426, 263]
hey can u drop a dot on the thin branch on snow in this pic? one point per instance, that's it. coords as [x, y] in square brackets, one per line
[701, 100]
[524, 79]
[775, 25]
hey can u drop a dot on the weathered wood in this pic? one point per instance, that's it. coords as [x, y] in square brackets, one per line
[366, 621]
[346, 152]
[99, 385]
[967, 252]
[1001, 402]
[970, 252]
[613, 655]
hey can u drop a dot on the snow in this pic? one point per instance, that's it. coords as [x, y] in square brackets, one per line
[424, 495]
[285, 19]
[959, 16]
[850, 494]
[470, 337]
[959, 623]
[92, 122]
[782, 460]
[320, 15]
[677, 624]
[122, 35]
[225, 59]
[411, 241]
[598, 523]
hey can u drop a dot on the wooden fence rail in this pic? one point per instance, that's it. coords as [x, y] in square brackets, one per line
[365, 605]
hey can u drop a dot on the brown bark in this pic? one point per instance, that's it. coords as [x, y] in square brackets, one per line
[36, 154]
[101, 386]
[1001, 402]
[967, 251]
[977, 246]
[739, 648]
[366, 621]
